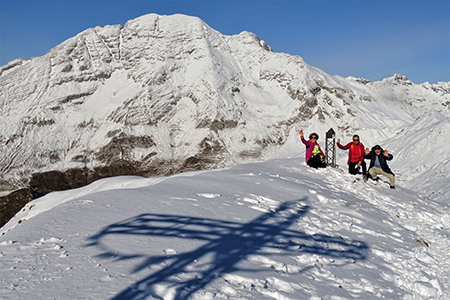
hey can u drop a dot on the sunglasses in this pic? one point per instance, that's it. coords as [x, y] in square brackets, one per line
[314, 137]
[356, 140]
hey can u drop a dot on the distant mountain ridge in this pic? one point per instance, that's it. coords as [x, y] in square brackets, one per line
[167, 94]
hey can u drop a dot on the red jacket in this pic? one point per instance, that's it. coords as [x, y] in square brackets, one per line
[356, 152]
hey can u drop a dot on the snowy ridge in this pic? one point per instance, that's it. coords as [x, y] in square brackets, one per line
[165, 94]
[273, 230]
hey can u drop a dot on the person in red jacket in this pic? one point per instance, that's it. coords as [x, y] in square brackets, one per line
[355, 156]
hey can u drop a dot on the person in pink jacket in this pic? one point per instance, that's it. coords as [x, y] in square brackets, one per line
[314, 155]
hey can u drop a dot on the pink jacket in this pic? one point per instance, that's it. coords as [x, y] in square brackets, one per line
[310, 147]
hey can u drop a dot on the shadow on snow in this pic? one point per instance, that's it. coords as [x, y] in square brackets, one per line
[225, 245]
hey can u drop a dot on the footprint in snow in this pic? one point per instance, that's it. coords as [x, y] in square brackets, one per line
[210, 196]
[83, 202]
[106, 278]
[322, 199]
[169, 251]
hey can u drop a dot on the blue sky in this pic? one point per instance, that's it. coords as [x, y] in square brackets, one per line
[370, 39]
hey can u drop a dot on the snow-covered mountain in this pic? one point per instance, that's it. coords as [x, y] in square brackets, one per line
[166, 94]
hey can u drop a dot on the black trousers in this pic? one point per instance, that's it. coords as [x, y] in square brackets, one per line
[316, 162]
[353, 169]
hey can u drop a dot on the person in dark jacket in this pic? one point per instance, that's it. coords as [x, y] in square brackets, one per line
[378, 164]
[355, 156]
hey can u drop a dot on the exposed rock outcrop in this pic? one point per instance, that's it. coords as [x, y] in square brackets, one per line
[13, 203]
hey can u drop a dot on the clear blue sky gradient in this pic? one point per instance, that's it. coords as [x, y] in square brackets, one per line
[370, 39]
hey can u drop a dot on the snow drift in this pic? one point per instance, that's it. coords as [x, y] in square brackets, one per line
[273, 230]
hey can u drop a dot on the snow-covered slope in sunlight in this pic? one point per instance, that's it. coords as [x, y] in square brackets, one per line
[273, 230]
[167, 94]
[422, 156]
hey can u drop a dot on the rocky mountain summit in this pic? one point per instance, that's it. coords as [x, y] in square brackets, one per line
[168, 94]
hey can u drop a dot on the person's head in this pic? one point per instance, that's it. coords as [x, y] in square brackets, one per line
[313, 137]
[377, 149]
[356, 139]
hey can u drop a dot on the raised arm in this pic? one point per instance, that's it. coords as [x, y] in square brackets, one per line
[342, 146]
[303, 138]
[387, 155]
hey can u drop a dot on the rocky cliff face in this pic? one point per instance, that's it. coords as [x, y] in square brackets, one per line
[166, 94]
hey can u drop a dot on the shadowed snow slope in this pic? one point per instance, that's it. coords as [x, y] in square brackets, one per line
[272, 230]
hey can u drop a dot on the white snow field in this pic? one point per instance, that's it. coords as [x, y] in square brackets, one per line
[161, 90]
[272, 230]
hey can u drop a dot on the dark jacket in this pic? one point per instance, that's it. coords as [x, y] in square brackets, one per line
[383, 160]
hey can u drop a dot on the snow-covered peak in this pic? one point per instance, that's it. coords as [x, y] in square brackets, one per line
[361, 80]
[12, 64]
[397, 79]
[166, 94]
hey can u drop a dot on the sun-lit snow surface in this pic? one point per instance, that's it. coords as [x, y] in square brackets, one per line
[273, 230]
[168, 88]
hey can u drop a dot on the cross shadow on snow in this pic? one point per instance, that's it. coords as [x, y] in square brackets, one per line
[226, 244]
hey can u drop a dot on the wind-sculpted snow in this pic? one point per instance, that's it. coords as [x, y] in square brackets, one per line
[272, 230]
[167, 94]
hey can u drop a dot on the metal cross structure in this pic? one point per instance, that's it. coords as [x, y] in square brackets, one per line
[330, 148]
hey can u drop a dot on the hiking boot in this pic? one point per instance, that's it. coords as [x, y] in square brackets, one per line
[392, 187]
[365, 178]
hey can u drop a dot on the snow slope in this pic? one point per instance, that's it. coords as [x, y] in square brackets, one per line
[272, 230]
[164, 94]
[169, 94]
